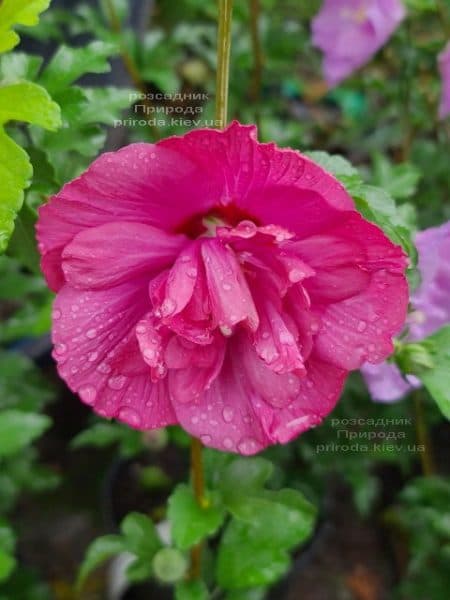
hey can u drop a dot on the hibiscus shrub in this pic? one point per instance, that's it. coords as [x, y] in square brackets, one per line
[255, 318]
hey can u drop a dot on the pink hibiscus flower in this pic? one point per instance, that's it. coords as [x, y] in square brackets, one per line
[444, 70]
[431, 311]
[350, 32]
[216, 282]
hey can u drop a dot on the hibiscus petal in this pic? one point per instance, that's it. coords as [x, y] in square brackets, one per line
[255, 176]
[228, 415]
[193, 368]
[97, 354]
[230, 297]
[360, 328]
[317, 396]
[110, 254]
[142, 183]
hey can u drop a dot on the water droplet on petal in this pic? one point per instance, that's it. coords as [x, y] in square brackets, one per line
[206, 439]
[60, 349]
[168, 307]
[228, 414]
[116, 383]
[286, 338]
[92, 356]
[362, 325]
[295, 275]
[228, 443]
[192, 273]
[88, 393]
[226, 330]
[56, 314]
[226, 287]
[247, 446]
[91, 333]
[130, 416]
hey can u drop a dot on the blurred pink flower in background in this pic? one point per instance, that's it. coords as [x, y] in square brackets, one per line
[444, 69]
[219, 283]
[350, 32]
[431, 310]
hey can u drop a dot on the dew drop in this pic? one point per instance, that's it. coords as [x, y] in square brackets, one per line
[88, 393]
[60, 349]
[247, 446]
[206, 439]
[286, 338]
[92, 356]
[129, 416]
[192, 273]
[362, 325]
[228, 414]
[226, 330]
[91, 333]
[116, 383]
[149, 353]
[103, 368]
[226, 287]
[56, 314]
[168, 307]
[228, 443]
[295, 275]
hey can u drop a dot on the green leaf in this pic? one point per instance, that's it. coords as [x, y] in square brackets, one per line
[437, 379]
[284, 516]
[98, 552]
[338, 166]
[244, 562]
[266, 524]
[334, 163]
[377, 206]
[169, 565]
[400, 181]
[15, 174]
[99, 435]
[7, 537]
[140, 535]
[191, 590]
[191, 523]
[19, 429]
[29, 102]
[23, 101]
[105, 104]
[22, 244]
[139, 570]
[7, 565]
[69, 64]
[18, 65]
[18, 12]
[22, 386]
[252, 474]
[249, 594]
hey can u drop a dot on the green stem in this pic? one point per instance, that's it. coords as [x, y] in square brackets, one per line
[198, 483]
[422, 435]
[223, 60]
[255, 88]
